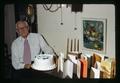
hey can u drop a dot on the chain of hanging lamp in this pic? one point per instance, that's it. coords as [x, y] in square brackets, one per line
[61, 16]
[75, 28]
[49, 8]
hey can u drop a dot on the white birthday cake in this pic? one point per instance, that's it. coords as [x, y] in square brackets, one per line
[44, 62]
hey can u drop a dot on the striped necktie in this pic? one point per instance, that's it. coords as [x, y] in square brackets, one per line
[27, 53]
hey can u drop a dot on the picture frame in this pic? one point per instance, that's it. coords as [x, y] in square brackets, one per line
[94, 34]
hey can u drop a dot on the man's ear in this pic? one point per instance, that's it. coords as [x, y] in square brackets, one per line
[17, 32]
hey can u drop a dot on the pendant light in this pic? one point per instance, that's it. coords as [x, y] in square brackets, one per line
[61, 15]
[75, 28]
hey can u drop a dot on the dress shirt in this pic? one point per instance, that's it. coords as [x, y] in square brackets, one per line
[37, 45]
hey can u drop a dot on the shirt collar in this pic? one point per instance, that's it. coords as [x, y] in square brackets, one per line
[22, 39]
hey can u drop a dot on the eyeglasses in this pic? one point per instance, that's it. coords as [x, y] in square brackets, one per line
[21, 28]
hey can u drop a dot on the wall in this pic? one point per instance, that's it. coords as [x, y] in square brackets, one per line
[57, 34]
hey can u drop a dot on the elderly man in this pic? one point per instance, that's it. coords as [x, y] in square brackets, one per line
[27, 46]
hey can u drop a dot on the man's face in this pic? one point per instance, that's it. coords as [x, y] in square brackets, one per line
[22, 29]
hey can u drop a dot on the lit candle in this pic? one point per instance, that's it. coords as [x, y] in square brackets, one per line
[71, 45]
[67, 46]
[78, 45]
[74, 44]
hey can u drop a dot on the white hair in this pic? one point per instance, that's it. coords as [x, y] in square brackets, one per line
[22, 22]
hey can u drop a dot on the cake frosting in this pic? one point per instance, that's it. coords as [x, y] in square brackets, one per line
[44, 62]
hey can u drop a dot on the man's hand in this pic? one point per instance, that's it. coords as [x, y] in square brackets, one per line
[27, 66]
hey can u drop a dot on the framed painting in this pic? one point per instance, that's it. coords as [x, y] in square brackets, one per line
[94, 34]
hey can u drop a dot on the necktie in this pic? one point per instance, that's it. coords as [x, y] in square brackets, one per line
[27, 53]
